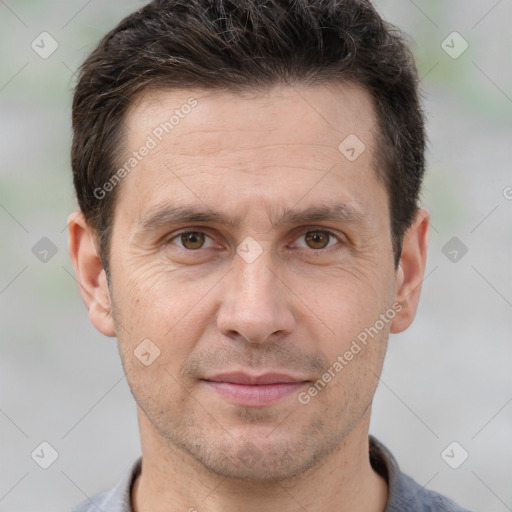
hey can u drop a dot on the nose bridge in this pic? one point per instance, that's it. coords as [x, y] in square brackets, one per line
[256, 291]
[256, 305]
[254, 276]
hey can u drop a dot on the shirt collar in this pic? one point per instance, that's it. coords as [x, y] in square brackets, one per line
[402, 490]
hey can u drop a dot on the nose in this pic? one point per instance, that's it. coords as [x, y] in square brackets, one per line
[255, 303]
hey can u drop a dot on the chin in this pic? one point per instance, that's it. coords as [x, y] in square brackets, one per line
[258, 460]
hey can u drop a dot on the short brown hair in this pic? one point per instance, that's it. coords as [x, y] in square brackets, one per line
[244, 45]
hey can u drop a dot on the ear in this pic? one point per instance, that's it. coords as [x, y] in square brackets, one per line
[411, 270]
[90, 273]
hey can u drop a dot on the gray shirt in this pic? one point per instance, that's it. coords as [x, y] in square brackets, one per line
[405, 495]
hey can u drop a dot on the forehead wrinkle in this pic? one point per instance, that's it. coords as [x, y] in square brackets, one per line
[192, 149]
[164, 214]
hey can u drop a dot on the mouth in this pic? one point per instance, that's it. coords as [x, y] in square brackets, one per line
[254, 390]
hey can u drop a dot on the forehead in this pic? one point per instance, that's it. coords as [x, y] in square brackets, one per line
[326, 115]
[278, 143]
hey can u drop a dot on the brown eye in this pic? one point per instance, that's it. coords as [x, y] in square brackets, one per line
[192, 240]
[317, 239]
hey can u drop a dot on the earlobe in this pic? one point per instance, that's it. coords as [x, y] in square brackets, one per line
[410, 273]
[90, 273]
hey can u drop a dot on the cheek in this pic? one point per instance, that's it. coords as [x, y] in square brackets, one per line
[345, 301]
[155, 304]
[355, 342]
[157, 295]
[356, 352]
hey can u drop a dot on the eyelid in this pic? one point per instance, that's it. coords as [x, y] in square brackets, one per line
[312, 229]
[303, 231]
[203, 230]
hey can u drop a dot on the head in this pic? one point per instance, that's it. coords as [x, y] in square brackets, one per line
[248, 177]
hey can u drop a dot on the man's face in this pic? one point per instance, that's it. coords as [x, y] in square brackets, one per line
[288, 300]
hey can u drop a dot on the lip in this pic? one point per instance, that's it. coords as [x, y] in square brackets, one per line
[254, 380]
[254, 390]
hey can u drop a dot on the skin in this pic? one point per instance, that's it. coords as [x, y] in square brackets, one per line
[293, 310]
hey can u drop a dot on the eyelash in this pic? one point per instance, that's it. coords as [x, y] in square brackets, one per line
[325, 249]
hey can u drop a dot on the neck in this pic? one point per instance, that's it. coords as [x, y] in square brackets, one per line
[172, 480]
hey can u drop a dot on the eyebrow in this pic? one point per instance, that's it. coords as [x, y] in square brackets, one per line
[164, 215]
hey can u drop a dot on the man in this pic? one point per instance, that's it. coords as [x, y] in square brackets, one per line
[248, 176]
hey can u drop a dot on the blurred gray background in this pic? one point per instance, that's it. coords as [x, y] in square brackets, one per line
[447, 379]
